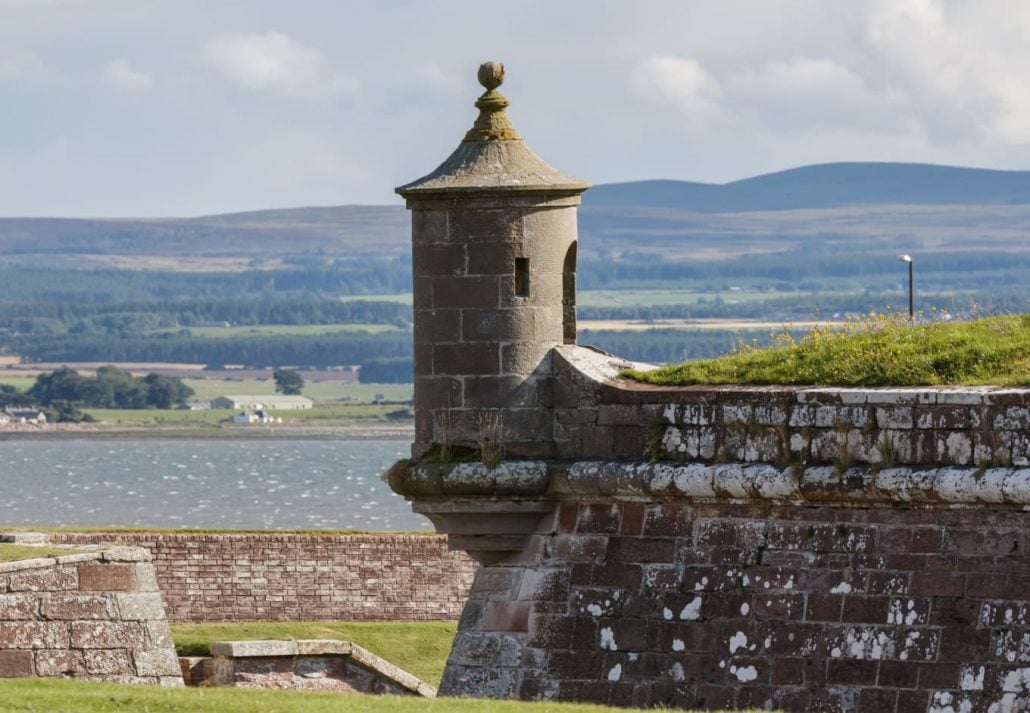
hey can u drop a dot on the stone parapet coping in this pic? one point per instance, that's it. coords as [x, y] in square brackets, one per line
[819, 484]
[111, 554]
[322, 647]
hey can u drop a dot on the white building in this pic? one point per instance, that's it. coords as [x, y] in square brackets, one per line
[272, 402]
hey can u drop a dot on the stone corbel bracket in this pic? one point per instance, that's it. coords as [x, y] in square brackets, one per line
[488, 512]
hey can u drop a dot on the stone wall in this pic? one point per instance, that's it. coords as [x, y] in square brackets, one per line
[598, 419]
[94, 616]
[795, 548]
[266, 576]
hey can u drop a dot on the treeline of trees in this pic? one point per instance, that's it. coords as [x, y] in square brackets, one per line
[663, 346]
[817, 267]
[792, 268]
[315, 350]
[134, 317]
[811, 306]
[357, 277]
[387, 371]
[110, 388]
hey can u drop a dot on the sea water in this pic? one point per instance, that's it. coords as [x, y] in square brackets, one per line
[232, 484]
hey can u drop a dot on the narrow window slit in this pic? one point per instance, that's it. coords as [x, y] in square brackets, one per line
[522, 277]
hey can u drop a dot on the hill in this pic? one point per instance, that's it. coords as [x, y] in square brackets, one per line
[831, 185]
[907, 206]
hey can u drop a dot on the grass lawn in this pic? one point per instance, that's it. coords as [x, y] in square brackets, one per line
[878, 351]
[11, 553]
[61, 696]
[421, 648]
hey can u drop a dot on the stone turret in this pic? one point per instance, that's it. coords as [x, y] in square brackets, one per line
[494, 260]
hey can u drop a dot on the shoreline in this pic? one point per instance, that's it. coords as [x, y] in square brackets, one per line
[61, 431]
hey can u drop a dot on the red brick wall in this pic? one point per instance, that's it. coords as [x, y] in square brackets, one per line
[302, 577]
[725, 605]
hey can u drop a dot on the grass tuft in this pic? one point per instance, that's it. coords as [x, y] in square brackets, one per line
[880, 350]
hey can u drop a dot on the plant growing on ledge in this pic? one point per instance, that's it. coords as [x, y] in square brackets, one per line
[881, 350]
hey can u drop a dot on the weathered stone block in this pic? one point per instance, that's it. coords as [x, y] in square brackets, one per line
[60, 663]
[471, 359]
[140, 606]
[107, 577]
[156, 662]
[478, 292]
[70, 607]
[48, 579]
[33, 635]
[107, 635]
[16, 664]
[107, 661]
[18, 606]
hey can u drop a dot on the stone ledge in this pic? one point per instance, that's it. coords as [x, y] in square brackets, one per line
[821, 484]
[304, 659]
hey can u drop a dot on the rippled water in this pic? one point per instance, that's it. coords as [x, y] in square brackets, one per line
[280, 484]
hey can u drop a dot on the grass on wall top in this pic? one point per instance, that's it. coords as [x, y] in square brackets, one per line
[881, 350]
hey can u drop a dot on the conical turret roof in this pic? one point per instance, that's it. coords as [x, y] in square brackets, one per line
[493, 158]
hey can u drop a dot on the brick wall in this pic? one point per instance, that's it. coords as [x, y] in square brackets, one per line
[266, 576]
[94, 616]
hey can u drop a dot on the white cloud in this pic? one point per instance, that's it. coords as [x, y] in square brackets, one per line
[680, 80]
[963, 64]
[123, 77]
[262, 61]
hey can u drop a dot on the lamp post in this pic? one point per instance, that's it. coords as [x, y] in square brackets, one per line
[911, 291]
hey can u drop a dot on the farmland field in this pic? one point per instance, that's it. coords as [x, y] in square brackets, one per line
[267, 330]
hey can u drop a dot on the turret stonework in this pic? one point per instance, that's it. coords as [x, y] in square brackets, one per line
[830, 550]
[494, 260]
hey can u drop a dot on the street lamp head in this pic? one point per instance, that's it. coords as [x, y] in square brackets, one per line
[905, 258]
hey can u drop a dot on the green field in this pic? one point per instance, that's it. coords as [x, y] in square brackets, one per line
[319, 415]
[347, 392]
[319, 391]
[271, 330]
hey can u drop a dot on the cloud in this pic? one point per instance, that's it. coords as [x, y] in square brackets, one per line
[121, 75]
[680, 80]
[264, 61]
[963, 64]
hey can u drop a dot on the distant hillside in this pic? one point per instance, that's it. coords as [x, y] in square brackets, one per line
[831, 185]
[878, 206]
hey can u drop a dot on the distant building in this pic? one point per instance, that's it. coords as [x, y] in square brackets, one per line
[264, 401]
[25, 415]
[4, 418]
[255, 417]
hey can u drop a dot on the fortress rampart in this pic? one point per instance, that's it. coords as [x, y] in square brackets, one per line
[807, 549]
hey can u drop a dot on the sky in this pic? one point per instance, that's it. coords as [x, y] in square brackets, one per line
[188, 107]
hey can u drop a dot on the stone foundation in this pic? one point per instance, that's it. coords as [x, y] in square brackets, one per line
[95, 616]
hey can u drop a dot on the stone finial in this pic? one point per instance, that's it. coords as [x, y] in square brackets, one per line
[492, 124]
[491, 75]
